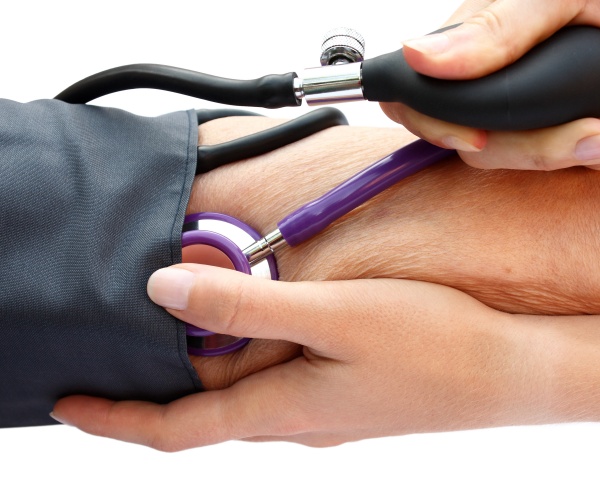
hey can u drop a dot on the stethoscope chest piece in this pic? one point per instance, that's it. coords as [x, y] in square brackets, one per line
[219, 239]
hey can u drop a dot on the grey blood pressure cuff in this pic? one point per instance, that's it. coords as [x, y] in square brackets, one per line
[92, 202]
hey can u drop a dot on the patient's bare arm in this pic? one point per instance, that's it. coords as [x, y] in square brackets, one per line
[517, 241]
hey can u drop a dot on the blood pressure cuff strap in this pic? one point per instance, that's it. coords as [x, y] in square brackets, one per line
[92, 202]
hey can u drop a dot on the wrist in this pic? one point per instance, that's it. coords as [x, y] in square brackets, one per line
[515, 370]
[566, 351]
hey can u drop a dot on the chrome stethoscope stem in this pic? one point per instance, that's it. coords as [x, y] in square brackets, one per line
[262, 248]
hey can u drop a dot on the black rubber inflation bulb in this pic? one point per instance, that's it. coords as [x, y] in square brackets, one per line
[556, 82]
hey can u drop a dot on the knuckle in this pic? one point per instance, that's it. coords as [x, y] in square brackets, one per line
[588, 6]
[415, 122]
[498, 30]
[235, 307]
[163, 441]
[162, 438]
[588, 126]
[477, 160]
[163, 435]
[541, 162]
[489, 21]
[395, 111]
[165, 445]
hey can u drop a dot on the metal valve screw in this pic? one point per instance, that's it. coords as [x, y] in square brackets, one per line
[341, 46]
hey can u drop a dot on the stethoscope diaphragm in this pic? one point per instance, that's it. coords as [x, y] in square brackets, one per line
[219, 239]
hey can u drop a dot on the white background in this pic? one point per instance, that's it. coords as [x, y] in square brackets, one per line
[46, 46]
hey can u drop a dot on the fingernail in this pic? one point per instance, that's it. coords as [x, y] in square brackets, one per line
[430, 44]
[170, 287]
[459, 144]
[59, 419]
[588, 149]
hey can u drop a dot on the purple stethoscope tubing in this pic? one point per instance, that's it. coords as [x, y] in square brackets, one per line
[301, 225]
[316, 215]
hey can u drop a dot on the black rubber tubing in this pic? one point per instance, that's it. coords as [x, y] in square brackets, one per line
[213, 156]
[270, 91]
[207, 115]
[558, 81]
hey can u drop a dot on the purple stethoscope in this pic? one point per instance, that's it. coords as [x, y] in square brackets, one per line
[252, 254]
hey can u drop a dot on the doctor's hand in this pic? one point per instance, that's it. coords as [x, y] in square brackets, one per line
[381, 357]
[493, 35]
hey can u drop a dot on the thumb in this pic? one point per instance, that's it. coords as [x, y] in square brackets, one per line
[490, 39]
[233, 303]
